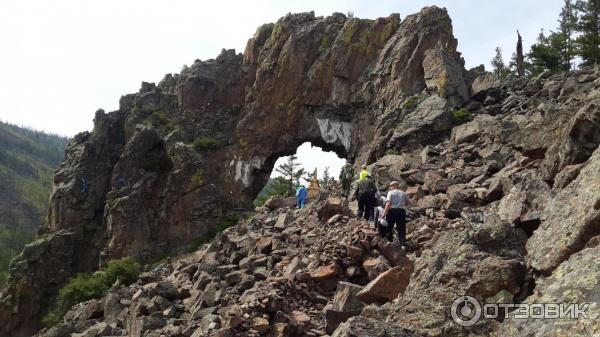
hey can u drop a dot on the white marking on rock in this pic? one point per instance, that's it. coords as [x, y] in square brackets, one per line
[334, 131]
[244, 168]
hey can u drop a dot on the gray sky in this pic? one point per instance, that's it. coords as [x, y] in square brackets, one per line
[61, 60]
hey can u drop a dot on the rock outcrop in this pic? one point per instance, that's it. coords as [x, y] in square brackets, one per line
[504, 198]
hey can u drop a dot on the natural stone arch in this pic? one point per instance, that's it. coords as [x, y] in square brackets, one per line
[332, 130]
[340, 83]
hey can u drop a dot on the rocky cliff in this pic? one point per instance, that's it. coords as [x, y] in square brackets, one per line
[505, 205]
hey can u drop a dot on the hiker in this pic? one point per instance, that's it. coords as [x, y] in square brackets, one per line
[380, 224]
[365, 195]
[121, 182]
[84, 185]
[301, 196]
[346, 177]
[363, 173]
[395, 213]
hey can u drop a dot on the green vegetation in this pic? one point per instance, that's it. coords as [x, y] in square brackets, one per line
[225, 223]
[461, 116]
[85, 287]
[205, 143]
[28, 159]
[275, 186]
[577, 37]
[392, 152]
[412, 102]
[158, 119]
[156, 161]
[12, 241]
[198, 178]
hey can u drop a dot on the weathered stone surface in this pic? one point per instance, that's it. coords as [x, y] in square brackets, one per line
[45, 261]
[362, 326]
[326, 272]
[444, 73]
[345, 297]
[375, 266]
[387, 286]
[332, 207]
[574, 281]
[572, 217]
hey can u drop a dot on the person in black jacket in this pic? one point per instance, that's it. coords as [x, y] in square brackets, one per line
[365, 195]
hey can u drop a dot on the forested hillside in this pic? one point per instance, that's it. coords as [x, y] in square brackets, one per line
[28, 159]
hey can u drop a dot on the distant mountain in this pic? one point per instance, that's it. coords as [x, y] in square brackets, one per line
[28, 159]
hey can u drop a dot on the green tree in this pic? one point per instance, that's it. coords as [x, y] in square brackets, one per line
[519, 58]
[499, 68]
[291, 171]
[545, 53]
[327, 178]
[567, 25]
[589, 27]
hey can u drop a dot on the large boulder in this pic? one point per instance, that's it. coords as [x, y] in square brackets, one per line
[43, 262]
[575, 281]
[460, 262]
[575, 142]
[387, 286]
[572, 217]
[444, 73]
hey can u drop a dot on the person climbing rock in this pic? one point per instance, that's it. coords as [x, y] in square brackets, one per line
[365, 195]
[301, 193]
[84, 185]
[378, 221]
[346, 177]
[395, 213]
[363, 173]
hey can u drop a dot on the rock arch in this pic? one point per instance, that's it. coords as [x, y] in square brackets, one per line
[166, 166]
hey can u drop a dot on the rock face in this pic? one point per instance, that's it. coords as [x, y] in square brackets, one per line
[505, 205]
[572, 219]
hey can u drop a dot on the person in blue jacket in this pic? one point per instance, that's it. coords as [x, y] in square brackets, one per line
[301, 193]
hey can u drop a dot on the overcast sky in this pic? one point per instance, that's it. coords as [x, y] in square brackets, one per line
[61, 60]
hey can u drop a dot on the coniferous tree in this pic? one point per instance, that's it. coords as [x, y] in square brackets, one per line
[589, 27]
[545, 53]
[519, 58]
[327, 178]
[567, 25]
[498, 65]
[291, 171]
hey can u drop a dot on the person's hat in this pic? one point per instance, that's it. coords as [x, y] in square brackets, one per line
[394, 183]
[364, 166]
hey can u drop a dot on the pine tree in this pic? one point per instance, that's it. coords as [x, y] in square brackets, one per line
[327, 178]
[567, 24]
[589, 26]
[545, 53]
[291, 171]
[519, 58]
[500, 69]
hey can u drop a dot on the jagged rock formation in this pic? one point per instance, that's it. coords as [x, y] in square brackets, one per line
[504, 204]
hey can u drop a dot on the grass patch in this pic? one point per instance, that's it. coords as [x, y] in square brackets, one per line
[205, 143]
[198, 178]
[392, 152]
[158, 119]
[225, 223]
[461, 116]
[85, 287]
[413, 102]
